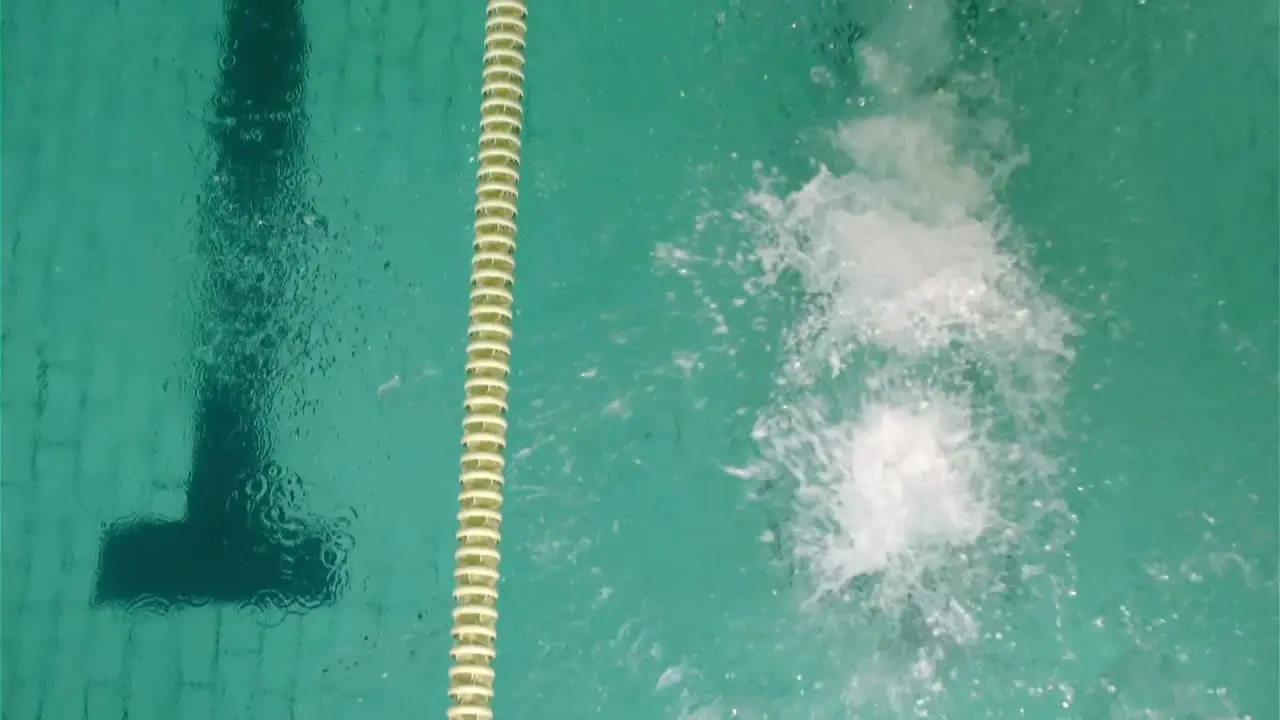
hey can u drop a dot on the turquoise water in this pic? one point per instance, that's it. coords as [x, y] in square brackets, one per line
[981, 422]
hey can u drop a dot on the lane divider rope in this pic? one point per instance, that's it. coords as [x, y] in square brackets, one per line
[484, 425]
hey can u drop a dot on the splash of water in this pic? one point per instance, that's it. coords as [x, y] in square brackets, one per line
[914, 414]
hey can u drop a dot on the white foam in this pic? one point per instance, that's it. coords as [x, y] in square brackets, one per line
[909, 443]
[918, 395]
[902, 479]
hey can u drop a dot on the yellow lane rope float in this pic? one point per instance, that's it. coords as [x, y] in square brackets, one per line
[484, 426]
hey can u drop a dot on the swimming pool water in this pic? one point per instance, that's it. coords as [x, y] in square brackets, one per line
[636, 584]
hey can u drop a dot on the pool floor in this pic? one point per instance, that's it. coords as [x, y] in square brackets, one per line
[636, 584]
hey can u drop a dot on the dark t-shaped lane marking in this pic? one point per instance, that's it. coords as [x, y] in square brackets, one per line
[245, 538]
